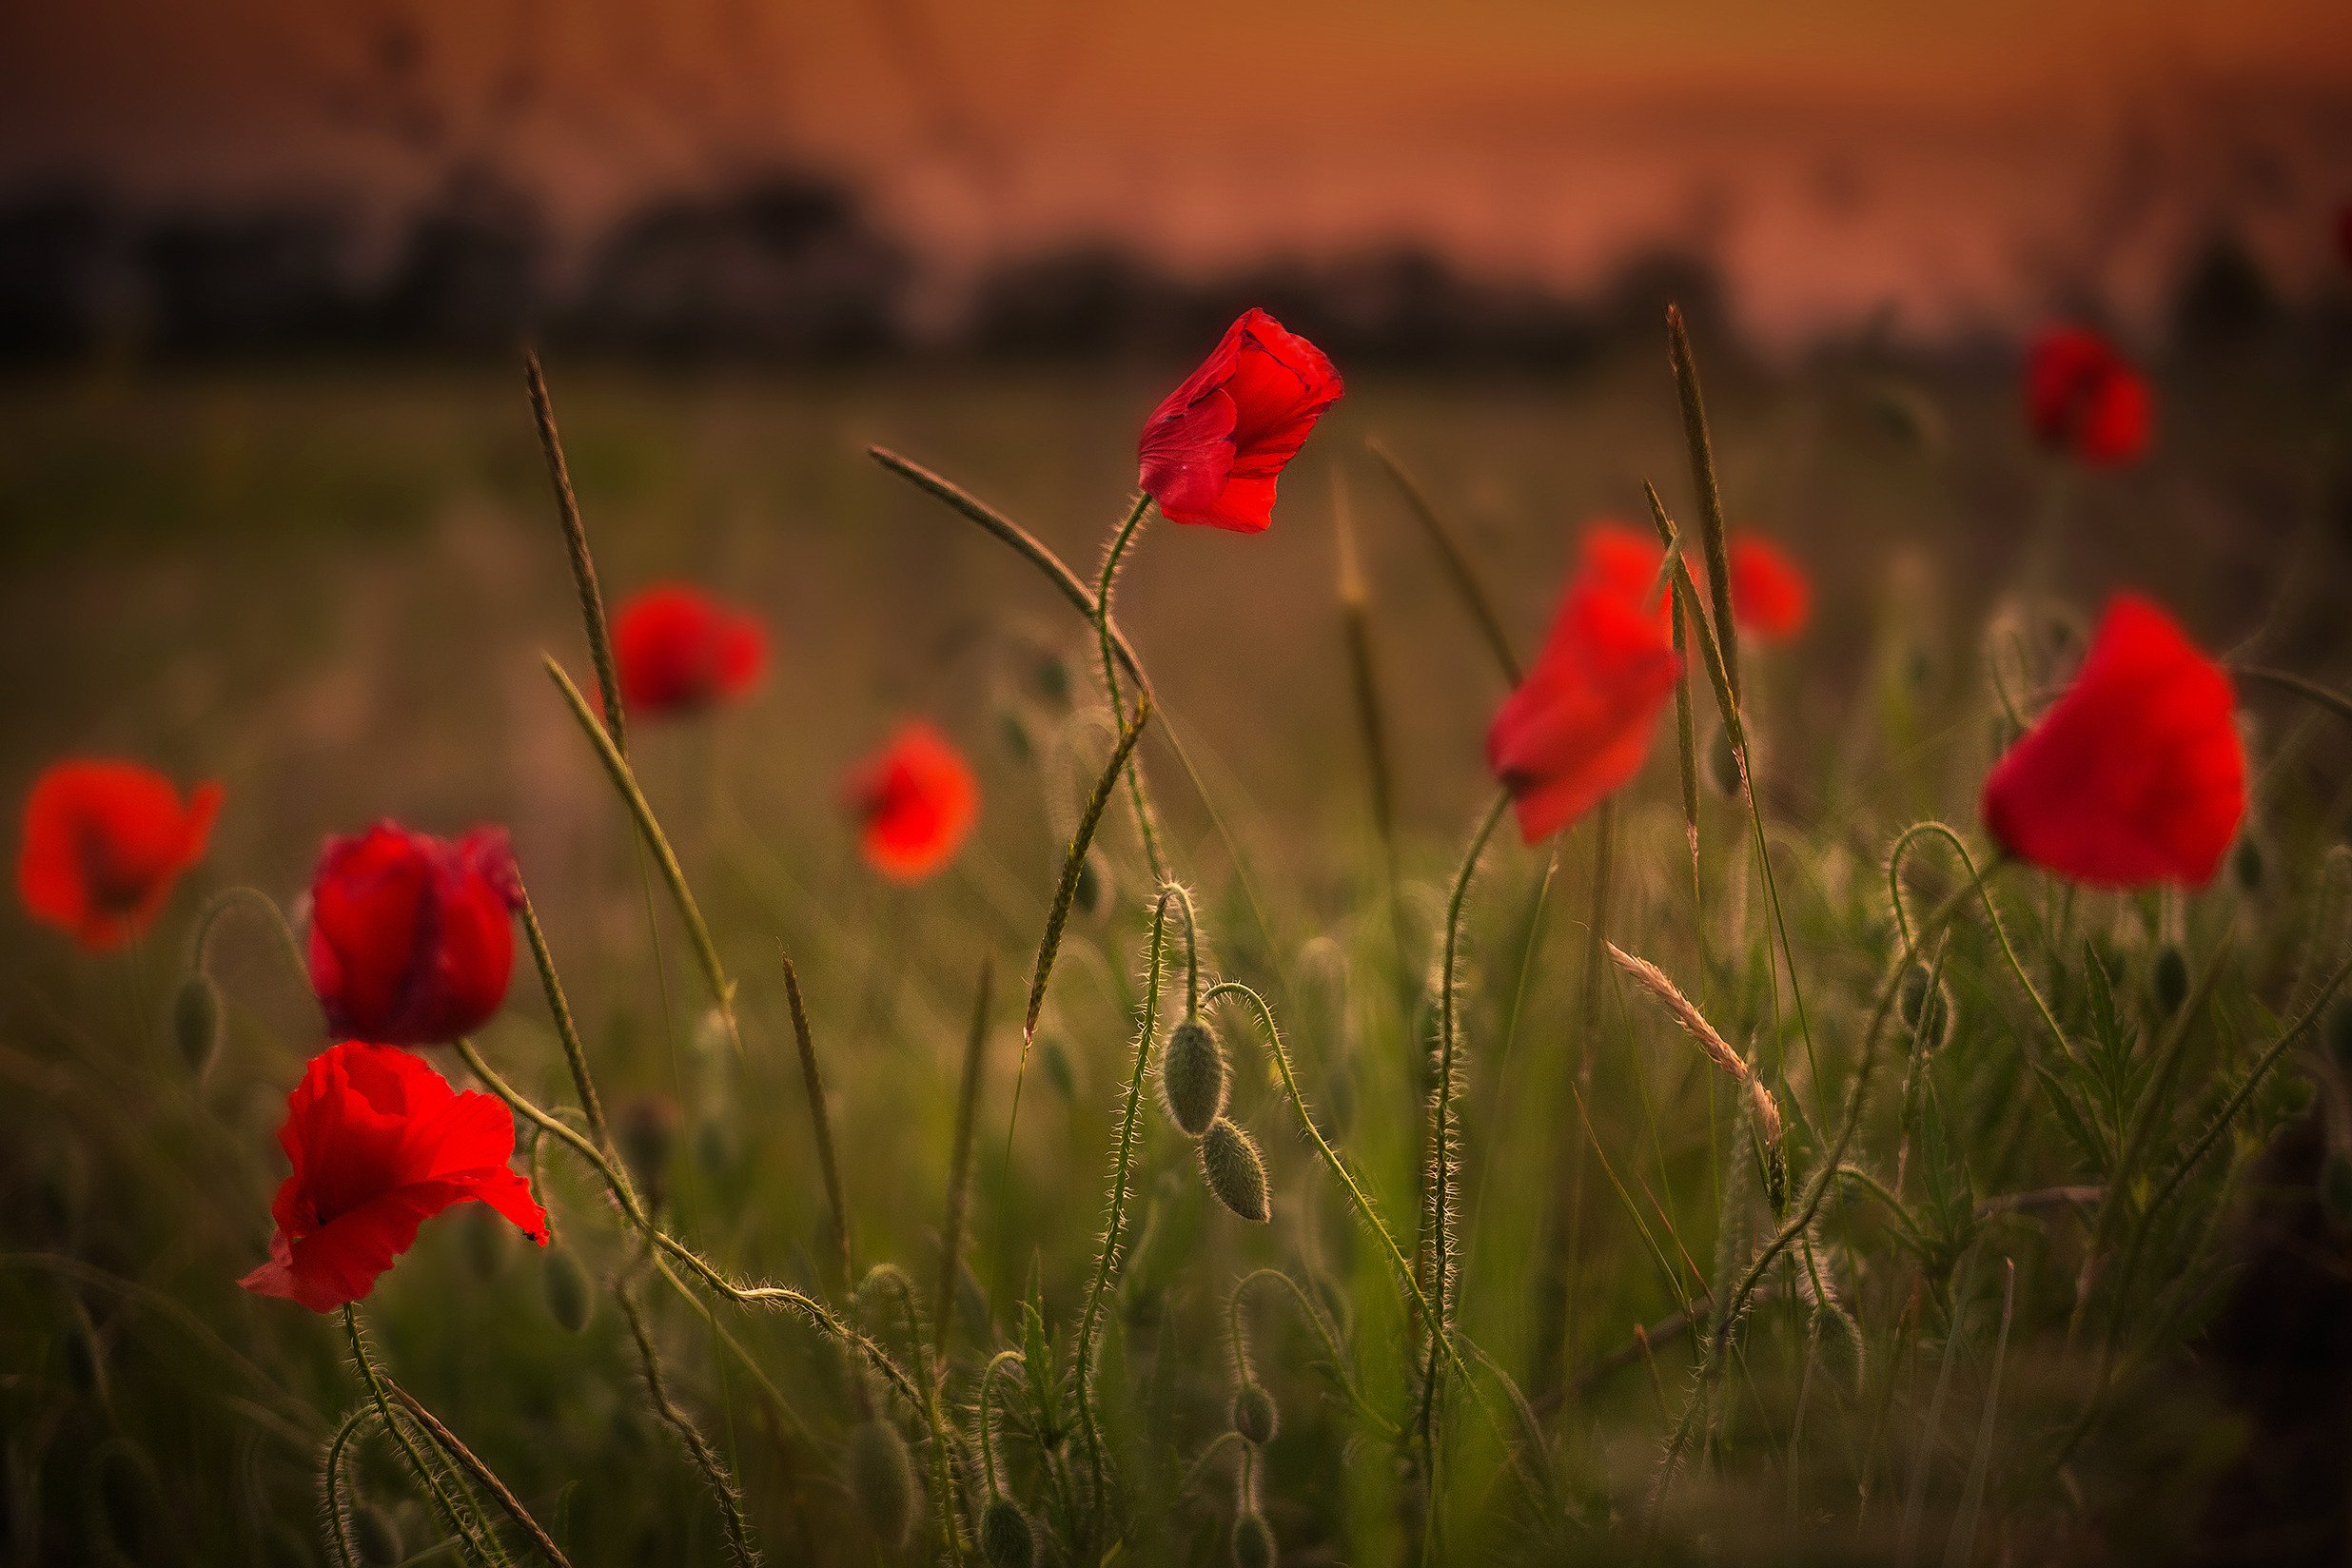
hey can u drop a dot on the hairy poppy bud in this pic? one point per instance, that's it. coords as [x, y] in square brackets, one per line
[1253, 1541]
[1255, 1415]
[2171, 980]
[1005, 1539]
[1235, 1172]
[2245, 864]
[882, 1480]
[378, 1535]
[1192, 1077]
[566, 1283]
[196, 1022]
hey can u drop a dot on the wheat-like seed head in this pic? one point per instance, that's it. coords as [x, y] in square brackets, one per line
[1652, 979]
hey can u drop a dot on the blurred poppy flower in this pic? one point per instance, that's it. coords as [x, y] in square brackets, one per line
[410, 940]
[1770, 595]
[679, 650]
[2135, 774]
[913, 802]
[2083, 397]
[380, 1144]
[1578, 726]
[1213, 450]
[103, 843]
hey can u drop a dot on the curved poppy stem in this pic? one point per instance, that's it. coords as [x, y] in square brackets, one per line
[1323, 1331]
[1407, 1278]
[467, 1531]
[2310, 690]
[1104, 585]
[988, 1389]
[200, 946]
[699, 1450]
[649, 828]
[335, 1522]
[448, 1442]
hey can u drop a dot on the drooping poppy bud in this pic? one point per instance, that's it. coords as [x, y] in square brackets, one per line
[1192, 1077]
[1771, 598]
[103, 843]
[1255, 1415]
[411, 937]
[379, 1144]
[1006, 1537]
[2135, 774]
[914, 803]
[1253, 1541]
[679, 650]
[1212, 451]
[1580, 725]
[1234, 1171]
[196, 1022]
[882, 1480]
[2085, 399]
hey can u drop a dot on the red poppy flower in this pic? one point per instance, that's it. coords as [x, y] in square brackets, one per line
[2082, 397]
[410, 939]
[104, 842]
[679, 650]
[1213, 450]
[2135, 774]
[914, 802]
[380, 1144]
[1578, 726]
[1770, 595]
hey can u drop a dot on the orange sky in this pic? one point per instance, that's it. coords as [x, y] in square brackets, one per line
[1528, 135]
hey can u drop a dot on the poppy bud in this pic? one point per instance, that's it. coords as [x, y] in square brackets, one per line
[1235, 1173]
[1253, 1541]
[196, 1022]
[2336, 1190]
[1192, 1077]
[378, 1535]
[1255, 1415]
[2246, 865]
[566, 1283]
[1005, 1539]
[2170, 979]
[882, 1480]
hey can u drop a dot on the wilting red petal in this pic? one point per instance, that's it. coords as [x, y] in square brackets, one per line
[411, 937]
[1580, 725]
[380, 1142]
[1212, 450]
[1770, 595]
[679, 650]
[2134, 775]
[103, 843]
[2081, 396]
[913, 802]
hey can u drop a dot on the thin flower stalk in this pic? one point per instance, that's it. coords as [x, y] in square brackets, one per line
[704, 1458]
[820, 1122]
[959, 1177]
[617, 769]
[1135, 769]
[576, 543]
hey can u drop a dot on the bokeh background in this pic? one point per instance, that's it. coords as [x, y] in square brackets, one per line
[272, 510]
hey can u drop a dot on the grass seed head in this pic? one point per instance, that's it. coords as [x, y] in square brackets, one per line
[1235, 1172]
[1680, 1007]
[1192, 1077]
